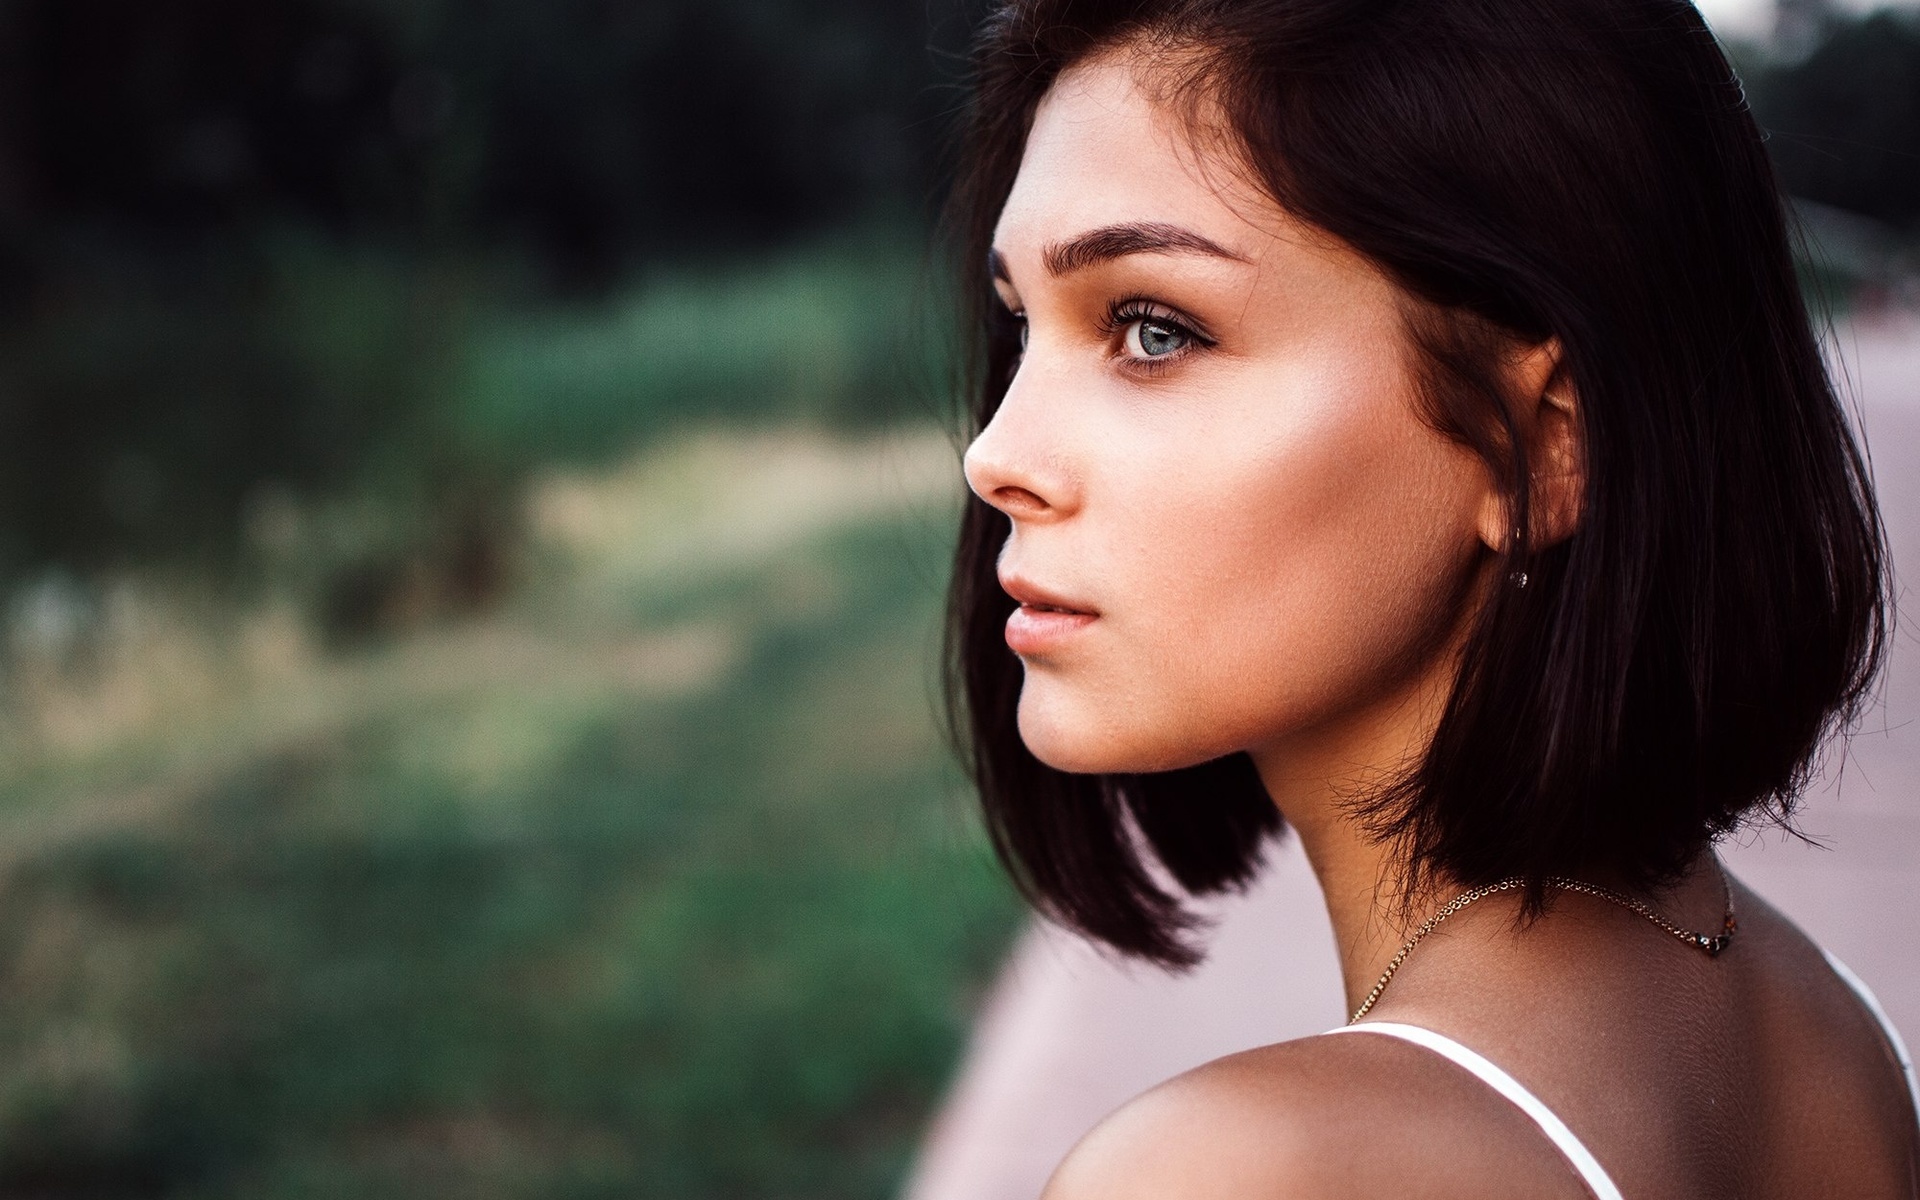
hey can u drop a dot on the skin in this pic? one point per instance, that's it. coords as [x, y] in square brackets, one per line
[1232, 529]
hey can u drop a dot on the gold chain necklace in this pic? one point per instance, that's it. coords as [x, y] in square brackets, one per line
[1710, 944]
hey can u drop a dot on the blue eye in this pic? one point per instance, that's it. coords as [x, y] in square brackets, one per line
[1150, 338]
[1151, 334]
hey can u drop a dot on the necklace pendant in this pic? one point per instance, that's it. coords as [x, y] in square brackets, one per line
[1711, 944]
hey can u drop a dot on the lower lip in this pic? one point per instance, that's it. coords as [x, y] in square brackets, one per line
[1032, 631]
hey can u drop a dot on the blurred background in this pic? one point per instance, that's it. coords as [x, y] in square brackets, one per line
[473, 511]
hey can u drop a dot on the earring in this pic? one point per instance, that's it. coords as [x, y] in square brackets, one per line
[1518, 578]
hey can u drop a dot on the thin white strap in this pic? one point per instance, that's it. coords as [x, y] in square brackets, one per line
[1872, 1002]
[1578, 1156]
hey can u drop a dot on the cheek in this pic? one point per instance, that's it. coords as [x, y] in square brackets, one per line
[1332, 562]
[1268, 571]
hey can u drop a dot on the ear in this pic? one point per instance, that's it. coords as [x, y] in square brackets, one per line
[1546, 418]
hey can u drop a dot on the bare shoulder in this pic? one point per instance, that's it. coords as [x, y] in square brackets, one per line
[1251, 1124]
[1326, 1117]
[1837, 1089]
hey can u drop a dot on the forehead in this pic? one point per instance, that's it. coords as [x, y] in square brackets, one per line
[1106, 149]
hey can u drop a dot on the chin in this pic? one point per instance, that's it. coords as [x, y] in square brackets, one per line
[1085, 741]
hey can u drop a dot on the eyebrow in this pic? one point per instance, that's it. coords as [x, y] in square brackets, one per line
[1110, 242]
[1117, 241]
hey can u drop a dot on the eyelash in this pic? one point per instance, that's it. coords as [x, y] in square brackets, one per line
[1124, 312]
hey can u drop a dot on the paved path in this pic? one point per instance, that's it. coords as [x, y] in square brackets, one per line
[1067, 1035]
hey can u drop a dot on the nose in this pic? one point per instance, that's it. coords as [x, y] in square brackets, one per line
[1017, 464]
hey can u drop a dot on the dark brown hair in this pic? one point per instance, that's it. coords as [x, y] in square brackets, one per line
[1581, 169]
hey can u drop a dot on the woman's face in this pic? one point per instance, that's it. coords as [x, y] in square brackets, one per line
[1232, 528]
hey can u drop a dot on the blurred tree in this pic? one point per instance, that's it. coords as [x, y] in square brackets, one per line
[1845, 119]
[596, 131]
[237, 237]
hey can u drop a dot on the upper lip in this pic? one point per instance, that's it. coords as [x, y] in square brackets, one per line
[1032, 595]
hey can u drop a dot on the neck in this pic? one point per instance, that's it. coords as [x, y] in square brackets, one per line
[1314, 782]
[1360, 882]
[1313, 778]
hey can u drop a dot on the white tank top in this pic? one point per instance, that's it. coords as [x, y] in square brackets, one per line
[1576, 1153]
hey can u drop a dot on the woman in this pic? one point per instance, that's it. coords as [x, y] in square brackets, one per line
[1397, 422]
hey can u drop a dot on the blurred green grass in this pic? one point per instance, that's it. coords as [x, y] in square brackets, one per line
[831, 330]
[654, 881]
[153, 407]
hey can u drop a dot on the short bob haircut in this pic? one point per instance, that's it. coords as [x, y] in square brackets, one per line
[1581, 169]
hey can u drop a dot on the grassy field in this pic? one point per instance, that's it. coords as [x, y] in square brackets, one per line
[653, 881]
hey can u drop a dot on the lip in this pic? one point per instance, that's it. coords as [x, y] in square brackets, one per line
[1045, 619]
